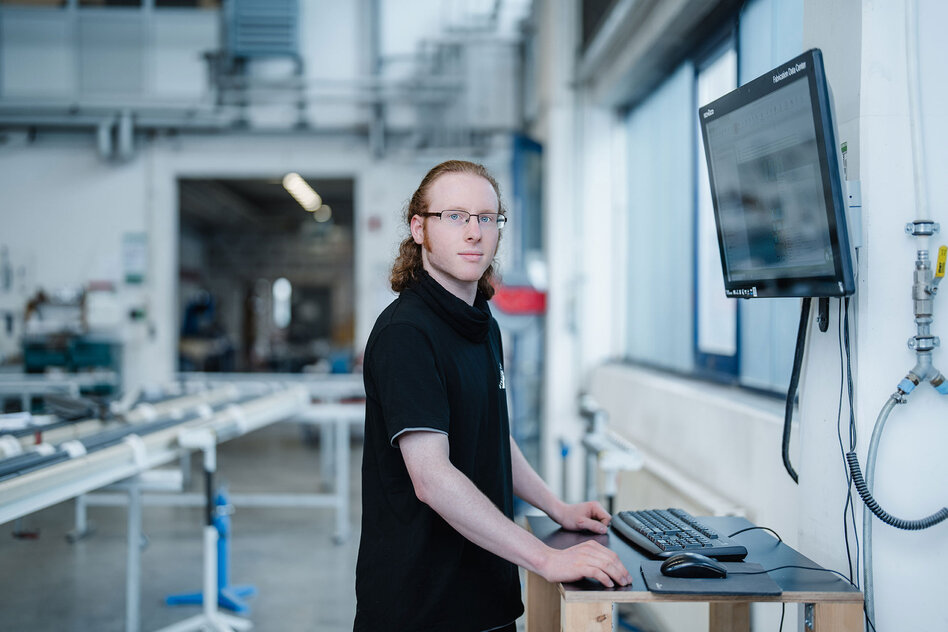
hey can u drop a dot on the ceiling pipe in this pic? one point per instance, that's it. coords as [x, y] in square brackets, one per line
[125, 133]
[103, 136]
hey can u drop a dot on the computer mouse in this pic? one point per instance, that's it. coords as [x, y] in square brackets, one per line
[688, 564]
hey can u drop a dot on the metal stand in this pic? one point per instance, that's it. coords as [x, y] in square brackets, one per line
[83, 527]
[210, 618]
[155, 480]
[334, 421]
[133, 560]
[230, 597]
[606, 452]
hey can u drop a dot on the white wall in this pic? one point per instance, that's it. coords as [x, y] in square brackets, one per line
[63, 217]
[863, 42]
[910, 471]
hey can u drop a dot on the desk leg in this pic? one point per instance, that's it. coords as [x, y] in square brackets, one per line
[543, 604]
[342, 480]
[729, 616]
[838, 617]
[594, 616]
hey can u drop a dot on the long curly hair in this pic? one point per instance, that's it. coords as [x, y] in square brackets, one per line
[408, 263]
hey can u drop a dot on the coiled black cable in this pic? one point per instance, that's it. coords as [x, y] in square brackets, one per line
[873, 504]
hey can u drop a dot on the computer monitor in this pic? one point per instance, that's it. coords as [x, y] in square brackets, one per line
[776, 185]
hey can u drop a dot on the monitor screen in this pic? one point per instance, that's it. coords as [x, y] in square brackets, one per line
[776, 187]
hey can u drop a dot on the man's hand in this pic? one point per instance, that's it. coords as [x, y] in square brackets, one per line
[588, 516]
[589, 559]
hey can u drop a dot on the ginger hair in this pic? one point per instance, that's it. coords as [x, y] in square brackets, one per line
[408, 262]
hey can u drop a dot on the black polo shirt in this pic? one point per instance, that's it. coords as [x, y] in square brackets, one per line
[433, 363]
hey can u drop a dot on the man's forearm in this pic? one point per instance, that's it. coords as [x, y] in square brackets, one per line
[456, 499]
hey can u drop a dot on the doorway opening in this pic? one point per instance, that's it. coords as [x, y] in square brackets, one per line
[266, 284]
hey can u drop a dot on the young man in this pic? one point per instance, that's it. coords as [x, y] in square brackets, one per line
[439, 549]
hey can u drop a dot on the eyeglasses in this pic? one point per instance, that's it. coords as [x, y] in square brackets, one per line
[486, 221]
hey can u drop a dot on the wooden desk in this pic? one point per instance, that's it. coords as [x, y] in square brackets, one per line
[587, 607]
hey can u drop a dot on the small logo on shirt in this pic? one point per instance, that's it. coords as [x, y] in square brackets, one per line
[502, 386]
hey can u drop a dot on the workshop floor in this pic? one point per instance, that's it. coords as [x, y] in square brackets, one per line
[304, 580]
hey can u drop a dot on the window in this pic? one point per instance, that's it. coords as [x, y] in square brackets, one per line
[677, 315]
[715, 314]
[661, 226]
[282, 300]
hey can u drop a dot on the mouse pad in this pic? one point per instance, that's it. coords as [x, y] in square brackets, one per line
[733, 584]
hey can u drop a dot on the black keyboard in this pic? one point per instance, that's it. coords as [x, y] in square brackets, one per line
[663, 532]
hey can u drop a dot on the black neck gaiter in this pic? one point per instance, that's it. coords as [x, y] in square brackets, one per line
[472, 322]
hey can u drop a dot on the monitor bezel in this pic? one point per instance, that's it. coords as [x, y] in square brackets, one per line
[808, 67]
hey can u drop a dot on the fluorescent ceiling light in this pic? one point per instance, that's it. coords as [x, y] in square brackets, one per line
[296, 186]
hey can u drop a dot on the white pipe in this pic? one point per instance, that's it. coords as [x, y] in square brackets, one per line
[125, 137]
[915, 109]
[210, 572]
[104, 138]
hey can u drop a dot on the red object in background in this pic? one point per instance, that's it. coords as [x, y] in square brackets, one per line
[521, 300]
[100, 286]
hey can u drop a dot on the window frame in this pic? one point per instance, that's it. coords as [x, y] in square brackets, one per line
[712, 366]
